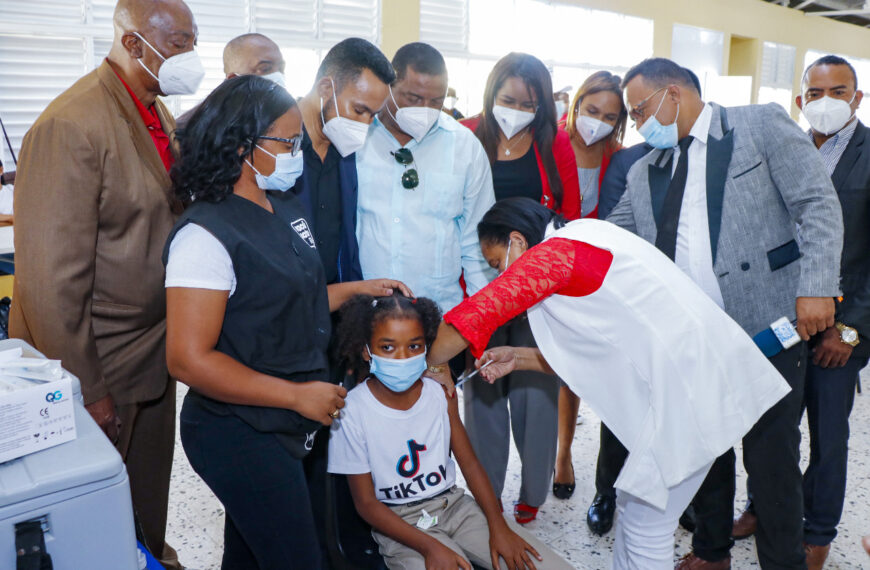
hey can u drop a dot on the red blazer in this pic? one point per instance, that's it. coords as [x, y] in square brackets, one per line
[566, 165]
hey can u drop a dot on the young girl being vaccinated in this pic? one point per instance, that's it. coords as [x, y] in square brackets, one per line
[394, 441]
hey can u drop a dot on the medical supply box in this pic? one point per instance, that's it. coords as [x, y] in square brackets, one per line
[36, 402]
[78, 491]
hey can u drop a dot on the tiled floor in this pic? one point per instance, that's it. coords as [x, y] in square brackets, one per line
[196, 517]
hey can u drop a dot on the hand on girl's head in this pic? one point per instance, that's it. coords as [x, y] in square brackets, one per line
[384, 287]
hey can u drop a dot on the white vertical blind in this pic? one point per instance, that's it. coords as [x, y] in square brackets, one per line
[444, 25]
[33, 71]
[340, 19]
[286, 21]
[45, 45]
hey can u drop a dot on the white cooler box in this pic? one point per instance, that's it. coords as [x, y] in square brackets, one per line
[78, 490]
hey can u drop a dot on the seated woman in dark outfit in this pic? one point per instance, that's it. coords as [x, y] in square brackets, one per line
[248, 321]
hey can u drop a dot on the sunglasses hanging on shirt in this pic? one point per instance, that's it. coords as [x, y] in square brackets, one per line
[410, 178]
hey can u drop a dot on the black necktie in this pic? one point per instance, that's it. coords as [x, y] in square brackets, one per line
[666, 238]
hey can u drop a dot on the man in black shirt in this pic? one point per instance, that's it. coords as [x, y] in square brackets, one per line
[351, 86]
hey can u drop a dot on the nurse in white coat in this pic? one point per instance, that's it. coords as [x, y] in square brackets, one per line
[673, 376]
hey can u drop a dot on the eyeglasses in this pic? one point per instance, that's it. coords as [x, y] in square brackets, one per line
[295, 143]
[410, 178]
[637, 112]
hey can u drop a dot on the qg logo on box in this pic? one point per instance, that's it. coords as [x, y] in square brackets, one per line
[54, 397]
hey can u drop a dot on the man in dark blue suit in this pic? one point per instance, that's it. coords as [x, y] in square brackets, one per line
[829, 99]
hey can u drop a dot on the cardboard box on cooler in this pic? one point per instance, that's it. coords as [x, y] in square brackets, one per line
[35, 414]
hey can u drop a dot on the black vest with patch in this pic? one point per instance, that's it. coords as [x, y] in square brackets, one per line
[277, 321]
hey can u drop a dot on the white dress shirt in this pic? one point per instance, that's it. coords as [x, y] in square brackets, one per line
[694, 254]
[427, 236]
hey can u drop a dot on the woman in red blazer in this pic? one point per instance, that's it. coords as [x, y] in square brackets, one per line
[530, 157]
[596, 124]
[519, 115]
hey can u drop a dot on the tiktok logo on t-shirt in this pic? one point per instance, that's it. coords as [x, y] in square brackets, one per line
[413, 458]
[408, 467]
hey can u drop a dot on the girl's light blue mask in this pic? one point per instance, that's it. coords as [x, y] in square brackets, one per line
[658, 135]
[397, 374]
[287, 169]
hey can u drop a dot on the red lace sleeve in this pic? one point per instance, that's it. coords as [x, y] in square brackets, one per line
[556, 266]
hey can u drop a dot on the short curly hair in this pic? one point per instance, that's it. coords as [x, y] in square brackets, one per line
[359, 316]
[231, 118]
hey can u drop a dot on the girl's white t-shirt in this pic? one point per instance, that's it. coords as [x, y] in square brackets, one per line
[407, 452]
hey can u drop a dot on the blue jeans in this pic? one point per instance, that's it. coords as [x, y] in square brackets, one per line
[269, 523]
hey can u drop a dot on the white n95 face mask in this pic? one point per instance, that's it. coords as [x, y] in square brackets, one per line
[277, 77]
[347, 135]
[591, 129]
[180, 74]
[828, 115]
[510, 120]
[415, 121]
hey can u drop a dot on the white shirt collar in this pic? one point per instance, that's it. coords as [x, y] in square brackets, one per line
[701, 128]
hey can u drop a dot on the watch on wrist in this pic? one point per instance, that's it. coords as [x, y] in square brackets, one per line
[848, 335]
[437, 369]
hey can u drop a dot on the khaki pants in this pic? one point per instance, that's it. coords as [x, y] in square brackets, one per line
[461, 527]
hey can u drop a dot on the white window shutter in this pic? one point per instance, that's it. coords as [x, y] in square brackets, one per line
[219, 20]
[286, 21]
[55, 42]
[102, 12]
[41, 12]
[444, 25]
[33, 71]
[340, 19]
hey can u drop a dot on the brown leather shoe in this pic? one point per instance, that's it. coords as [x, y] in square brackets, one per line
[816, 555]
[865, 542]
[744, 526]
[692, 562]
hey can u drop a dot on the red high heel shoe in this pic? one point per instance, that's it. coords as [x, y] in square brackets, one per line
[524, 513]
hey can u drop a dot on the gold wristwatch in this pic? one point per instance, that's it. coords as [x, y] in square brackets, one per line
[440, 368]
[848, 335]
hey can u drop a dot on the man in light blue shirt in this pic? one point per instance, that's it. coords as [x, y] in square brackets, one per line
[424, 184]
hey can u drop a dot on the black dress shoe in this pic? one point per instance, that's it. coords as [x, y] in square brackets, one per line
[599, 517]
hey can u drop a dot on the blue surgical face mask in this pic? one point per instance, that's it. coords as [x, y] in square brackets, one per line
[658, 135]
[287, 169]
[397, 374]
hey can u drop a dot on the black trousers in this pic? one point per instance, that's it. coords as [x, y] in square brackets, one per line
[269, 523]
[611, 458]
[771, 456]
[828, 399]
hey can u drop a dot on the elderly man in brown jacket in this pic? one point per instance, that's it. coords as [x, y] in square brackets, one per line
[94, 207]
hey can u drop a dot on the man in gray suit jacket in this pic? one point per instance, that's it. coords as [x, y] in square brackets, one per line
[741, 200]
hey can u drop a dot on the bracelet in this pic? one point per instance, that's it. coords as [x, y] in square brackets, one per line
[436, 369]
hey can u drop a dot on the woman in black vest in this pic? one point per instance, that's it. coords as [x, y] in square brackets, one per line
[248, 320]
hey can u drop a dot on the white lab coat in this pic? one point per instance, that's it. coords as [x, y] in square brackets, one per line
[669, 372]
